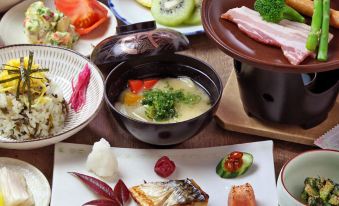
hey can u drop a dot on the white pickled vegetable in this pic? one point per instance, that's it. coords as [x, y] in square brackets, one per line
[13, 189]
[102, 160]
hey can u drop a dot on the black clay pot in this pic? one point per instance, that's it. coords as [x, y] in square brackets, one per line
[284, 97]
[169, 65]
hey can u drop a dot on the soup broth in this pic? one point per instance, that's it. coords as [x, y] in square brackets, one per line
[166, 100]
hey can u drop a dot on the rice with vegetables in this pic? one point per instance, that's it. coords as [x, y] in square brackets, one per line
[31, 106]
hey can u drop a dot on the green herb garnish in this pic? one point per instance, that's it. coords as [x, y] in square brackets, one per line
[161, 103]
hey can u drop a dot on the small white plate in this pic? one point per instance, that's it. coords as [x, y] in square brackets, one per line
[130, 12]
[137, 166]
[36, 181]
[12, 29]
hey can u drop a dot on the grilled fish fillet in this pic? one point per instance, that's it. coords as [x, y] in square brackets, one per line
[172, 193]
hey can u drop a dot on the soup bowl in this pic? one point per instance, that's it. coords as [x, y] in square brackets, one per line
[161, 66]
[315, 163]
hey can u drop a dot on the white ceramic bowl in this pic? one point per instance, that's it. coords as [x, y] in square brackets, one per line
[5, 4]
[323, 163]
[63, 65]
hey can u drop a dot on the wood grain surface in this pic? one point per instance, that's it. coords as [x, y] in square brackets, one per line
[232, 116]
[105, 126]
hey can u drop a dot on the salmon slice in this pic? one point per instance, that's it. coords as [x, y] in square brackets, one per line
[242, 195]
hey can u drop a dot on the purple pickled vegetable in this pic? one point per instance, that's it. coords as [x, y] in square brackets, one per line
[121, 192]
[102, 203]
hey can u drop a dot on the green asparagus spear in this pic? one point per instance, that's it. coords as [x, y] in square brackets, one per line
[313, 37]
[323, 47]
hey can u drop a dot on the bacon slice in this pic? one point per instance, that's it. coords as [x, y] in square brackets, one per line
[290, 36]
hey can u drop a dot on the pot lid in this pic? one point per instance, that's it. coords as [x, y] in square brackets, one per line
[138, 40]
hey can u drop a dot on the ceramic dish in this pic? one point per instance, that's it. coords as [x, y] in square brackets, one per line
[12, 30]
[244, 49]
[322, 163]
[5, 4]
[36, 181]
[130, 12]
[137, 166]
[166, 65]
[64, 64]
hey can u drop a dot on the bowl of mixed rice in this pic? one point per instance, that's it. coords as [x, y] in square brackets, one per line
[47, 94]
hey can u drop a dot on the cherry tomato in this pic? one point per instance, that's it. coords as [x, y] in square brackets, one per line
[234, 161]
[236, 155]
[149, 83]
[164, 167]
[86, 15]
[135, 85]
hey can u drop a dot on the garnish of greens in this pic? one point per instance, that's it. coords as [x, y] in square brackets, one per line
[319, 34]
[276, 10]
[161, 104]
[23, 75]
[320, 192]
[117, 197]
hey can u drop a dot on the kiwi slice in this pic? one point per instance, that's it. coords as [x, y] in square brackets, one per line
[172, 12]
[195, 18]
[145, 3]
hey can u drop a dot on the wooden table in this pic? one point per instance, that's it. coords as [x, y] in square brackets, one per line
[105, 126]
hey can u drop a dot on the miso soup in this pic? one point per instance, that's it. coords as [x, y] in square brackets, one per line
[166, 100]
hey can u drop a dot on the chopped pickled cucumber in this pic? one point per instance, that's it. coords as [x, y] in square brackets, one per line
[320, 192]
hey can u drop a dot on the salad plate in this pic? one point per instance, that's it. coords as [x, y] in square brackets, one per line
[36, 181]
[130, 12]
[12, 29]
[137, 165]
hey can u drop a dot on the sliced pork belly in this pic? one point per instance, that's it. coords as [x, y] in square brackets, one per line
[290, 36]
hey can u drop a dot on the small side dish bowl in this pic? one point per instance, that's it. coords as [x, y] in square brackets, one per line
[316, 163]
[64, 65]
[165, 65]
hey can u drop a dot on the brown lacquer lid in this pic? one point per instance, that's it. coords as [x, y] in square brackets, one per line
[138, 40]
[241, 47]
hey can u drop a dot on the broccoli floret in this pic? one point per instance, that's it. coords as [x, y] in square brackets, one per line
[276, 10]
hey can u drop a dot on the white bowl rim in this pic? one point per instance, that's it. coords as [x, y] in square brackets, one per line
[289, 161]
[94, 66]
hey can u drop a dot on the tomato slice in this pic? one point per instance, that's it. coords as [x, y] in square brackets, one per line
[86, 15]
[135, 86]
[149, 83]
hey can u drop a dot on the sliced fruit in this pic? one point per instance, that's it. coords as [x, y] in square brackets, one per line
[86, 15]
[195, 19]
[172, 12]
[231, 166]
[145, 3]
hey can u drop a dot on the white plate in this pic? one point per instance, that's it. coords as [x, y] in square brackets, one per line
[12, 29]
[63, 65]
[136, 165]
[36, 181]
[130, 12]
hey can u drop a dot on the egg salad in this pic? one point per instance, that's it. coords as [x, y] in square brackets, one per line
[44, 26]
